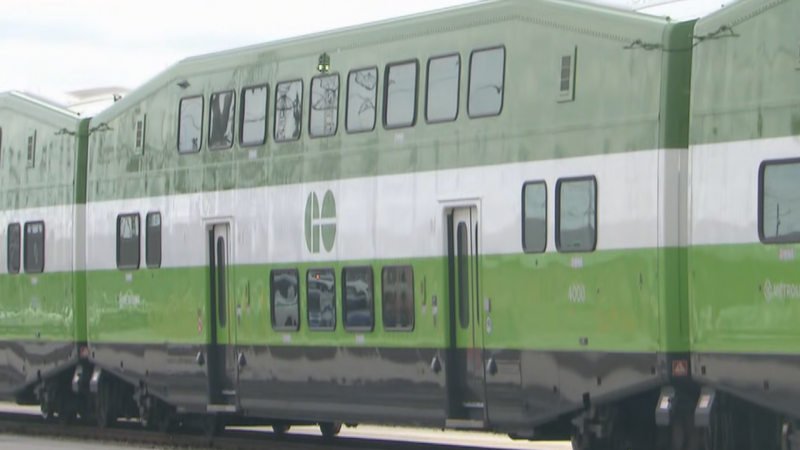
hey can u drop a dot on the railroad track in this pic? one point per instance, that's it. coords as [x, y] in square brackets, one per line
[132, 434]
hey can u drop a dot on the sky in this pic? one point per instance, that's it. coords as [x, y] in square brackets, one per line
[50, 47]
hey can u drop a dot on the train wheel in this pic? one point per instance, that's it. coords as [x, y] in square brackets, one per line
[330, 429]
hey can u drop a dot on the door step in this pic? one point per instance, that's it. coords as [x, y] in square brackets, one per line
[465, 424]
[231, 393]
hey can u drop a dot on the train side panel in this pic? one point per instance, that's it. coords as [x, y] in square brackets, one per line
[745, 179]
[38, 153]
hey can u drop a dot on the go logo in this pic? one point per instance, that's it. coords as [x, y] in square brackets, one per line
[320, 223]
[577, 293]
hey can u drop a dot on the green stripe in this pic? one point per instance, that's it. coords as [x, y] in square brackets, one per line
[530, 304]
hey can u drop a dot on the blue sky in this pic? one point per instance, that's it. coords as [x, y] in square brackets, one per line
[55, 46]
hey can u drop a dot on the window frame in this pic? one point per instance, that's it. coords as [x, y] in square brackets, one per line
[242, 108]
[24, 250]
[561, 181]
[202, 98]
[413, 300]
[762, 167]
[427, 87]
[334, 302]
[377, 97]
[210, 116]
[138, 242]
[358, 329]
[147, 240]
[385, 108]
[19, 248]
[469, 81]
[283, 328]
[338, 104]
[275, 110]
[546, 216]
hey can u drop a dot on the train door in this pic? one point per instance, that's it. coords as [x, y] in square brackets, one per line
[223, 373]
[467, 383]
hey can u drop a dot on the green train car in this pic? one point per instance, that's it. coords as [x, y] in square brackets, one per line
[42, 197]
[744, 279]
[538, 217]
[462, 219]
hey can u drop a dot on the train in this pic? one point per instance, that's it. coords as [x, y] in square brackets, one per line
[571, 222]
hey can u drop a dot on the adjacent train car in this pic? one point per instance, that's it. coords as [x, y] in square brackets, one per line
[467, 218]
[744, 280]
[42, 193]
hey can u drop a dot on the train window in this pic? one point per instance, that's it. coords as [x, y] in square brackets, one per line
[190, 124]
[323, 115]
[14, 245]
[779, 185]
[362, 97]
[288, 110]
[31, 158]
[253, 118]
[576, 214]
[128, 241]
[400, 94]
[444, 74]
[486, 82]
[34, 247]
[358, 306]
[153, 242]
[534, 217]
[321, 299]
[220, 120]
[285, 299]
[463, 270]
[397, 292]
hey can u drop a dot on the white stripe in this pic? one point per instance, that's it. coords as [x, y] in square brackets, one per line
[724, 188]
[58, 229]
[401, 216]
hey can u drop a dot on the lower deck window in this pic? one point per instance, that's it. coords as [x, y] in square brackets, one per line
[285, 299]
[358, 307]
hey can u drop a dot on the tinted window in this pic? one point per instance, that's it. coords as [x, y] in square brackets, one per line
[128, 241]
[190, 125]
[397, 286]
[358, 309]
[321, 299]
[442, 93]
[362, 96]
[486, 74]
[288, 110]
[34, 247]
[14, 246]
[254, 115]
[284, 285]
[400, 108]
[576, 228]
[534, 217]
[153, 243]
[324, 114]
[780, 202]
[220, 133]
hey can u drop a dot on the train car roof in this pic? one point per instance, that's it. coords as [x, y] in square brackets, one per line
[598, 19]
[21, 101]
